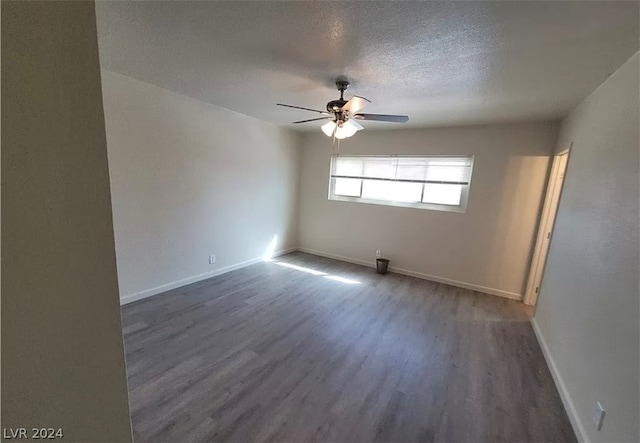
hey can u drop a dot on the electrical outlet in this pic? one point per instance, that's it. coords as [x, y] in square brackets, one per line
[378, 253]
[212, 259]
[598, 415]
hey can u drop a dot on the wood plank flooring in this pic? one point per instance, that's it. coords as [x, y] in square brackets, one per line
[306, 349]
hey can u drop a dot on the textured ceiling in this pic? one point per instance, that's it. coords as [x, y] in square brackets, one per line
[440, 63]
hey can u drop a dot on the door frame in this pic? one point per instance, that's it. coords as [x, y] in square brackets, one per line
[545, 228]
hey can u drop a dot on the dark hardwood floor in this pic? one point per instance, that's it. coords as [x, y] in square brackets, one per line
[307, 349]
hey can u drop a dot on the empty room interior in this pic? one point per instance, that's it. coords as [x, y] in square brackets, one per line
[321, 221]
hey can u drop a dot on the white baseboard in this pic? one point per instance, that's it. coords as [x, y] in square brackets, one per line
[338, 257]
[460, 284]
[130, 298]
[569, 406]
[447, 281]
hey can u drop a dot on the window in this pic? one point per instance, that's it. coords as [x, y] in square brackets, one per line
[440, 183]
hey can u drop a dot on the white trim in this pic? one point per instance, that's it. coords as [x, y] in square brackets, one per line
[460, 284]
[337, 257]
[130, 298]
[569, 406]
[546, 225]
[416, 205]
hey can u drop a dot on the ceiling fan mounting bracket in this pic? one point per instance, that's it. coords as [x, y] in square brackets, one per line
[342, 85]
[334, 106]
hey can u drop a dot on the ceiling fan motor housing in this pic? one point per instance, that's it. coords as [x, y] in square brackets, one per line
[336, 105]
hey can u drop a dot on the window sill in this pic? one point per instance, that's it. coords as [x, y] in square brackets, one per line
[427, 206]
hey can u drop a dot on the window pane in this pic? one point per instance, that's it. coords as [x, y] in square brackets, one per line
[349, 187]
[429, 182]
[391, 191]
[348, 166]
[411, 169]
[380, 168]
[442, 194]
[446, 171]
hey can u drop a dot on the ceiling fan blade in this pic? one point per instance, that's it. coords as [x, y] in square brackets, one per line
[383, 118]
[355, 104]
[304, 109]
[312, 120]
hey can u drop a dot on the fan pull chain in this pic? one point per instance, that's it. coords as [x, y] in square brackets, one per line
[333, 142]
[336, 144]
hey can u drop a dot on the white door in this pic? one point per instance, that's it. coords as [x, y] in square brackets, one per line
[554, 189]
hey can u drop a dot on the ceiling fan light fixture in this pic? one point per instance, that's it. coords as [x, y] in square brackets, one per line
[352, 126]
[328, 128]
[345, 130]
[340, 134]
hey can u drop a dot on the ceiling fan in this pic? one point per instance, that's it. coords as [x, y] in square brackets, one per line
[343, 114]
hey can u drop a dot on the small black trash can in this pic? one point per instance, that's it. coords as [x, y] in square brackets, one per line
[382, 265]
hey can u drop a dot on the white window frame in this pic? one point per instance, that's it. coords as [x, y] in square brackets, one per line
[464, 196]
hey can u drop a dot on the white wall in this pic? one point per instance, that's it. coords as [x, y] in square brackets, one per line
[62, 351]
[588, 310]
[189, 179]
[487, 248]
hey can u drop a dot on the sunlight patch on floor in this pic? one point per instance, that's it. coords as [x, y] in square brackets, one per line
[337, 278]
[342, 279]
[299, 268]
